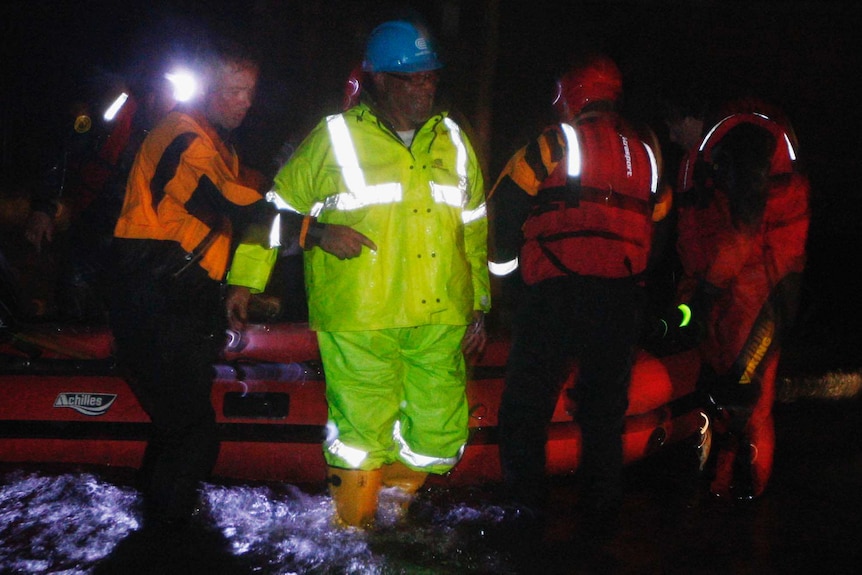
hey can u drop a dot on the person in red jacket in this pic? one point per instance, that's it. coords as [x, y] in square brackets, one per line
[574, 210]
[743, 215]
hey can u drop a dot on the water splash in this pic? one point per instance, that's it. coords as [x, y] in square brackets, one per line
[52, 524]
[67, 523]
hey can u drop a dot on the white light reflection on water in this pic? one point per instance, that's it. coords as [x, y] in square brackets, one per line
[51, 524]
[65, 523]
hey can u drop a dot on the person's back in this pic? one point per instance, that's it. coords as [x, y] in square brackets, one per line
[594, 218]
[574, 210]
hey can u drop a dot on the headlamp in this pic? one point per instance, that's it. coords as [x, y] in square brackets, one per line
[186, 85]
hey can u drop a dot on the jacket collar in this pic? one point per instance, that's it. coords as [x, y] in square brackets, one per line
[218, 136]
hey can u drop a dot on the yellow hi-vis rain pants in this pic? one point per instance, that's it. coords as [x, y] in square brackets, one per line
[395, 395]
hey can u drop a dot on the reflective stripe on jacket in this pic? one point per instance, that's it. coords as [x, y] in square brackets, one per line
[423, 206]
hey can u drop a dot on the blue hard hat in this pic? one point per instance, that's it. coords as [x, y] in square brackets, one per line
[400, 46]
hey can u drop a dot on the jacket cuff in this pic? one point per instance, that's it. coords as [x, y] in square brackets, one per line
[311, 233]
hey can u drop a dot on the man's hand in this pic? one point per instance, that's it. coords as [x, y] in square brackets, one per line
[40, 228]
[236, 304]
[475, 337]
[344, 242]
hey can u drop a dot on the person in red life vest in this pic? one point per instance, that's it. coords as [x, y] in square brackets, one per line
[84, 189]
[743, 214]
[574, 211]
[185, 208]
[743, 217]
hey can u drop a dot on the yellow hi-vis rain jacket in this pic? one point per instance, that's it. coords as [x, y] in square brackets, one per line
[423, 206]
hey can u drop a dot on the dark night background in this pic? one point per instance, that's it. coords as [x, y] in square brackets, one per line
[502, 57]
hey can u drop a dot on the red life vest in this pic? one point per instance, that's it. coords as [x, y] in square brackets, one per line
[703, 211]
[745, 263]
[783, 158]
[592, 214]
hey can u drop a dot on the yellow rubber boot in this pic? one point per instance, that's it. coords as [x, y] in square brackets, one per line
[399, 475]
[406, 480]
[354, 492]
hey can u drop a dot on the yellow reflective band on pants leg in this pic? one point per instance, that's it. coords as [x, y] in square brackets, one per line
[354, 457]
[419, 460]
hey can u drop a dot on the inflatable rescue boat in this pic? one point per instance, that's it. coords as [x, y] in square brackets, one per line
[62, 400]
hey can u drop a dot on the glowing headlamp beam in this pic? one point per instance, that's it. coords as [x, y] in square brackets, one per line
[185, 85]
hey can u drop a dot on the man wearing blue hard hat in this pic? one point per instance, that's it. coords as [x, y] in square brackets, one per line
[389, 202]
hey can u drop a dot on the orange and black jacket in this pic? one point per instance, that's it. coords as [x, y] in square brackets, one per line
[184, 194]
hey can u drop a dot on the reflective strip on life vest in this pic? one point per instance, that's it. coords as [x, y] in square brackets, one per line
[418, 460]
[791, 152]
[115, 107]
[653, 165]
[573, 147]
[685, 180]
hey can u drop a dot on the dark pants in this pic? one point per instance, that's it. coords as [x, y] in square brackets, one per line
[167, 340]
[596, 322]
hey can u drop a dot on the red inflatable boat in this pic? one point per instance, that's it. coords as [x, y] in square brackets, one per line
[62, 400]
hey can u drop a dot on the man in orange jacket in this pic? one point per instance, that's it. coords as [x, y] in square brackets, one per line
[184, 206]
